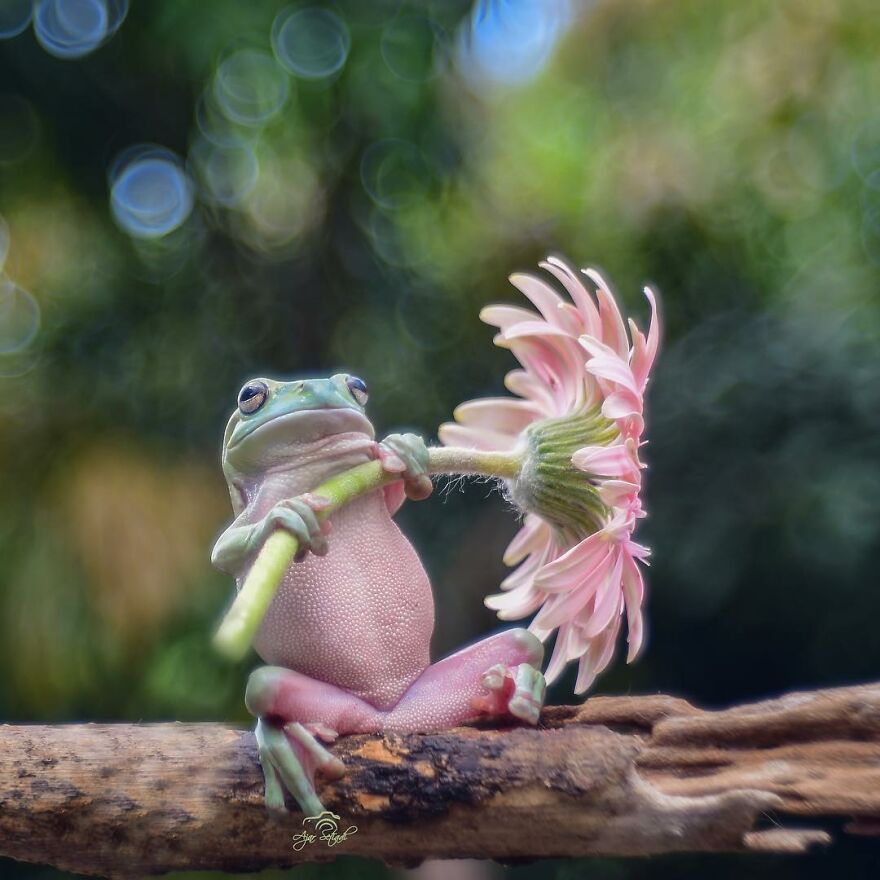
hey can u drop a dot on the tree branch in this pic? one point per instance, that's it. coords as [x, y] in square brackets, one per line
[618, 776]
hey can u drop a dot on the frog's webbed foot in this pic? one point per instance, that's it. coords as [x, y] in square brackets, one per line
[291, 755]
[299, 517]
[407, 455]
[518, 690]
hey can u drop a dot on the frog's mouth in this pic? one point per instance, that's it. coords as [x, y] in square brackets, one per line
[309, 425]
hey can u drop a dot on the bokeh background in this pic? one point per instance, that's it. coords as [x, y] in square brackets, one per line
[195, 193]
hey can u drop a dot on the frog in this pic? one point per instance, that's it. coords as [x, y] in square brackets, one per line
[346, 638]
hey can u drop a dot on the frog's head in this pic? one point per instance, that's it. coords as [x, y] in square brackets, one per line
[273, 419]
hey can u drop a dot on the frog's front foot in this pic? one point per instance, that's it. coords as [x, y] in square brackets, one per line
[299, 517]
[518, 690]
[407, 455]
[291, 755]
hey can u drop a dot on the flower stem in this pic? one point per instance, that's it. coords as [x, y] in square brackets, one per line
[455, 460]
[241, 622]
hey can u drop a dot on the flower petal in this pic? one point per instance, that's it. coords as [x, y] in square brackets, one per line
[572, 565]
[562, 607]
[560, 657]
[633, 594]
[608, 600]
[452, 434]
[644, 352]
[554, 363]
[505, 316]
[525, 571]
[612, 369]
[578, 293]
[542, 295]
[536, 328]
[515, 604]
[608, 461]
[533, 535]
[613, 329]
[497, 414]
[614, 493]
[523, 383]
[621, 405]
[597, 657]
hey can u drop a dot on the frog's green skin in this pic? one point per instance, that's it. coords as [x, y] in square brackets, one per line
[347, 635]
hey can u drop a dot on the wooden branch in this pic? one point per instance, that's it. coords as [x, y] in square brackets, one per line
[618, 776]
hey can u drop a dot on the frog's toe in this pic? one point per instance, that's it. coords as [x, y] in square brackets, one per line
[528, 695]
[319, 758]
[299, 517]
[494, 679]
[407, 455]
[391, 462]
[322, 731]
[291, 756]
[515, 690]
[274, 796]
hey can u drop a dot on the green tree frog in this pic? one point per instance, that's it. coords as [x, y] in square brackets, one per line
[347, 635]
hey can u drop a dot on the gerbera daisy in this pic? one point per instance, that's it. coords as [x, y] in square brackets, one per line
[576, 427]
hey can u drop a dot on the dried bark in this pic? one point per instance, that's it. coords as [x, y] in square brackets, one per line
[618, 776]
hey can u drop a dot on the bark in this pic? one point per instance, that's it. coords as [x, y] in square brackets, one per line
[617, 776]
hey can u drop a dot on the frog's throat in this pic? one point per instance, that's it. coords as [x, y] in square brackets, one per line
[305, 425]
[298, 468]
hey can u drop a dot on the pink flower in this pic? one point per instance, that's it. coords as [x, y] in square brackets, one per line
[577, 424]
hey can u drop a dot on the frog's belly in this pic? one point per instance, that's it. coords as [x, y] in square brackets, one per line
[360, 617]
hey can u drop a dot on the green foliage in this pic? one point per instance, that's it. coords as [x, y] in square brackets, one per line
[730, 155]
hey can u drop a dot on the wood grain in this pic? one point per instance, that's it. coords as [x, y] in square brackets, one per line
[617, 776]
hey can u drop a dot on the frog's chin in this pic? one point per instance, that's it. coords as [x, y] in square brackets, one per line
[304, 427]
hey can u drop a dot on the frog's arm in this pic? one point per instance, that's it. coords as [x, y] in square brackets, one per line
[403, 454]
[235, 545]
[243, 539]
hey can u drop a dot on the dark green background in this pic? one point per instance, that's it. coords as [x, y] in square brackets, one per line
[728, 153]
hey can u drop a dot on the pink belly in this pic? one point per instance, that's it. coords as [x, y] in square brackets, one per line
[360, 617]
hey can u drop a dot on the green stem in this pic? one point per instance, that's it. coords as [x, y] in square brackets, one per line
[241, 622]
[453, 460]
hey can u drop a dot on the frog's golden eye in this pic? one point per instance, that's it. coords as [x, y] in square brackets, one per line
[358, 389]
[252, 397]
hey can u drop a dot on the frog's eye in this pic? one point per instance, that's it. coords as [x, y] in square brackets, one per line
[358, 389]
[252, 397]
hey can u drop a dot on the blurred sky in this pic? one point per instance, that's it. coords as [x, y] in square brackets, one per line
[192, 194]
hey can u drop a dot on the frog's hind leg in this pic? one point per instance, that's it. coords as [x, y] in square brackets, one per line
[498, 676]
[295, 715]
[290, 755]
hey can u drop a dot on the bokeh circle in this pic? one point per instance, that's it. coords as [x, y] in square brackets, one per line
[311, 43]
[151, 193]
